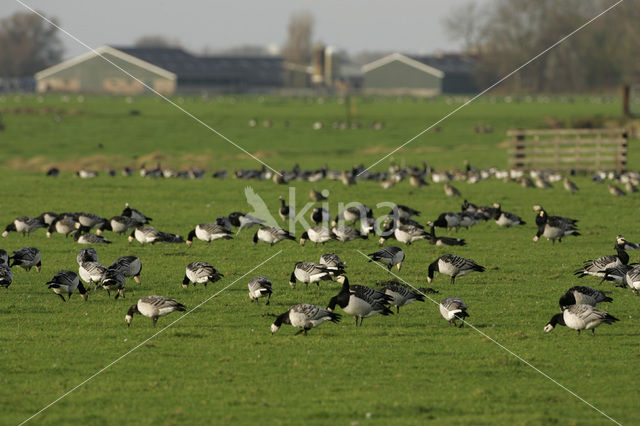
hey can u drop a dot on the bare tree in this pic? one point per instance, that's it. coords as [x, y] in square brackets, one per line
[155, 40]
[298, 46]
[27, 44]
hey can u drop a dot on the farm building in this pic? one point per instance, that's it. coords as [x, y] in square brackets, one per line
[419, 75]
[89, 73]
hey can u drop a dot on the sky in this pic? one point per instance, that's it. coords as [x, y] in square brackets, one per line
[413, 26]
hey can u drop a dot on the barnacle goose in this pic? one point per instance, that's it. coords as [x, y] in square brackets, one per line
[597, 267]
[130, 266]
[285, 211]
[632, 279]
[47, 218]
[24, 224]
[345, 233]
[553, 227]
[405, 212]
[318, 196]
[506, 219]
[388, 256]
[200, 272]
[86, 255]
[569, 186]
[119, 225]
[260, 287]
[272, 235]
[333, 263]
[580, 317]
[242, 220]
[89, 220]
[581, 295]
[565, 220]
[135, 214]
[451, 191]
[448, 220]
[353, 214]
[320, 215]
[66, 282]
[148, 234]
[208, 232]
[113, 279]
[616, 274]
[400, 294]
[305, 317]
[6, 276]
[368, 225]
[153, 307]
[317, 234]
[86, 238]
[403, 233]
[309, 272]
[452, 309]
[65, 224]
[443, 241]
[454, 266]
[91, 272]
[26, 258]
[628, 245]
[360, 301]
[615, 191]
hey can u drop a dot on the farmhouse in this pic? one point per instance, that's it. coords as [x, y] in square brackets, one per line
[420, 75]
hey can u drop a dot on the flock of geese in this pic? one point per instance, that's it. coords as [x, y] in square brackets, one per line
[577, 305]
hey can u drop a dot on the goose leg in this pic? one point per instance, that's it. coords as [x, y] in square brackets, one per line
[453, 279]
[300, 331]
[155, 320]
[62, 297]
[268, 299]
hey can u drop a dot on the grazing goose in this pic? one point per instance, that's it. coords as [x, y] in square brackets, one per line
[119, 225]
[580, 317]
[443, 241]
[305, 317]
[6, 277]
[346, 233]
[200, 272]
[272, 235]
[47, 218]
[309, 272]
[318, 196]
[64, 224]
[401, 295]
[85, 238]
[113, 279]
[553, 227]
[404, 212]
[242, 220]
[24, 224]
[451, 191]
[632, 279]
[404, 233]
[353, 214]
[388, 256]
[453, 308]
[285, 211]
[581, 295]
[153, 307]
[260, 287]
[597, 267]
[135, 214]
[454, 266]
[615, 191]
[208, 232]
[130, 266]
[148, 234]
[91, 272]
[26, 258]
[320, 215]
[66, 282]
[89, 220]
[448, 220]
[317, 234]
[506, 219]
[616, 274]
[569, 186]
[359, 301]
[333, 263]
[368, 225]
[86, 255]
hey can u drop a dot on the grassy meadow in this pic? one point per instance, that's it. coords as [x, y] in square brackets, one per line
[220, 364]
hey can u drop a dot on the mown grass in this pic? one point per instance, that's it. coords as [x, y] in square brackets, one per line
[221, 365]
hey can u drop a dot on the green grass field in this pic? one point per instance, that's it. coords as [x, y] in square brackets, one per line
[220, 363]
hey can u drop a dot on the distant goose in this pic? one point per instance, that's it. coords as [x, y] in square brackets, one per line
[597, 267]
[401, 295]
[615, 191]
[135, 214]
[506, 219]
[632, 279]
[153, 307]
[553, 227]
[454, 266]
[86, 255]
[148, 234]
[85, 238]
[130, 266]
[272, 235]
[569, 186]
[452, 309]
[260, 287]
[309, 272]
[305, 317]
[404, 212]
[447, 220]
[115, 280]
[89, 220]
[317, 234]
[285, 211]
[443, 241]
[66, 282]
[320, 215]
[468, 219]
[333, 263]
[6, 277]
[581, 295]
[388, 256]
[91, 272]
[345, 233]
[64, 224]
[318, 196]
[243, 221]
[352, 214]
[580, 317]
[24, 224]
[26, 258]
[451, 191]
[86, 174]
[119, 225]
[200, 273]
[406, 234]
[360, 302]
[208, 232]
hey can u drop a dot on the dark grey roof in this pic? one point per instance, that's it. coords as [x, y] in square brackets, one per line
[448, 63]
